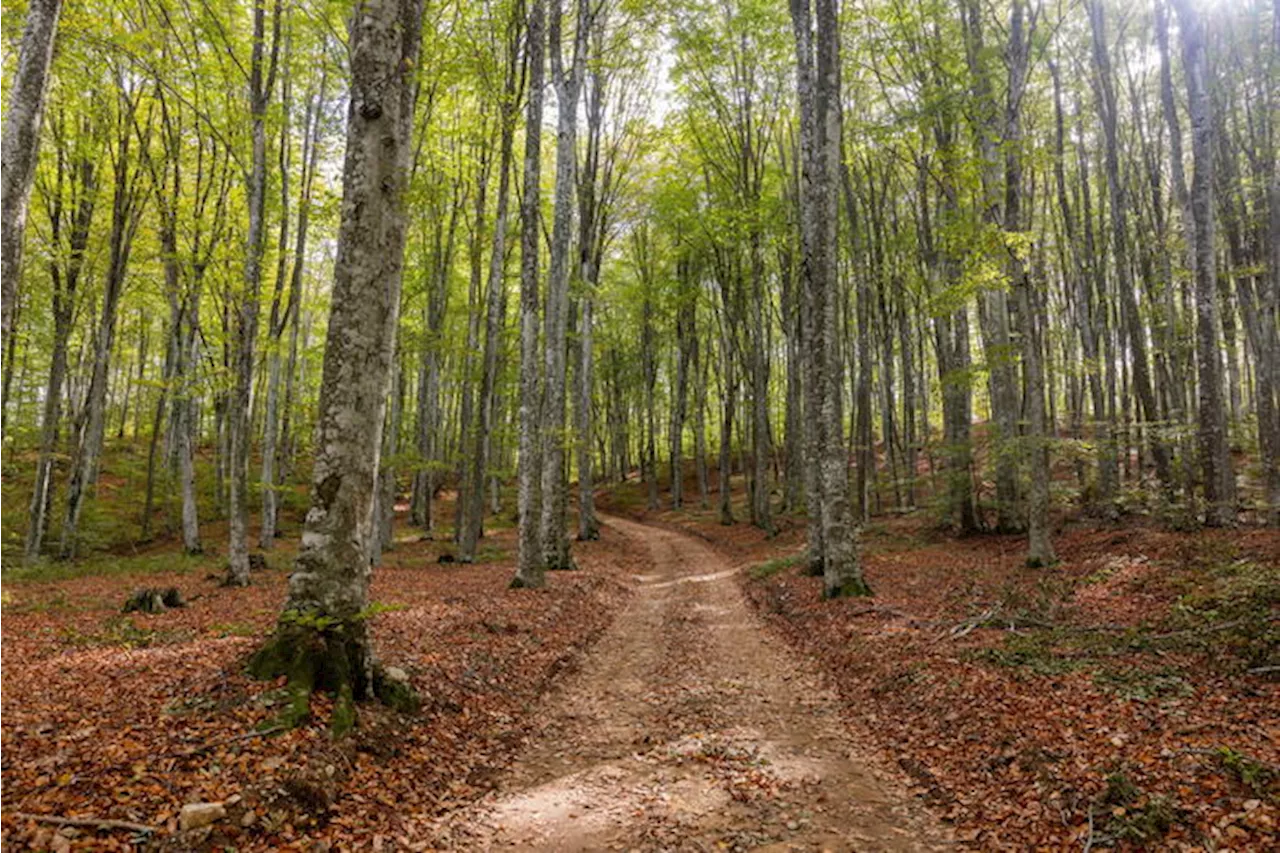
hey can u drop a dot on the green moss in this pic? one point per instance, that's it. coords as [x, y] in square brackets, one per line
[774, 566]
[852, 588]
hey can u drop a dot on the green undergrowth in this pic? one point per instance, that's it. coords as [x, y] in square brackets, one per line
[775, 566]
[110, 565]
[1134, 816]
[1225, 618]
[123, 632]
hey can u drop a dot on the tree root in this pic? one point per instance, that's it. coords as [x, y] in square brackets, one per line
[317, 653]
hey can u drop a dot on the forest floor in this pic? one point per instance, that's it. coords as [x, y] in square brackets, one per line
[686, 690]
[1125, 698]
[128, 717]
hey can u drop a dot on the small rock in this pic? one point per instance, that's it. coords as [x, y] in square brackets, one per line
[792, 825]
[196, 815]
[395, 673]
[247, 819]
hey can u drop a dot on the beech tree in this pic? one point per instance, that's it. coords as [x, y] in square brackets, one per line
[322, 641]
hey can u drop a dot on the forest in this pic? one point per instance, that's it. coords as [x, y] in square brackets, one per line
[628, 425]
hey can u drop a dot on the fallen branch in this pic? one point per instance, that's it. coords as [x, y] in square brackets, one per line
[226, 740]
[970, 625]
[87, 822]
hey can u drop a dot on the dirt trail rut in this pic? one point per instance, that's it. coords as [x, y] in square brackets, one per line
[688, 729]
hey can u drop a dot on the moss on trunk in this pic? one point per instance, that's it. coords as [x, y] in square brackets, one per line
[321, 653]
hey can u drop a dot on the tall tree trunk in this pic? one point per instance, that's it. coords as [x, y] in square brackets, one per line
[1039, 546]
[128, 200]
[1133, 323]
[65, 282]
[1215, 462]
[322, 640]
[21, 144]
[818, 85]
[240, 426]
[495, 306]
[555, 541]
[531, 559]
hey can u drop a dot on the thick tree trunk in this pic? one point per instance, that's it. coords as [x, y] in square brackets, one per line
[322, 640]
[818, 84]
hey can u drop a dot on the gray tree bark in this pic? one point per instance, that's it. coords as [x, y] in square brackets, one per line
[322, 640]
[21, 144]
[531, 558]
[568, 85]
[261, 83]
[818, 85]
[1215, 461]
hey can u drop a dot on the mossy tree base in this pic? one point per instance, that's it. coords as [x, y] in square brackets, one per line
[333, 657]
[852, 588]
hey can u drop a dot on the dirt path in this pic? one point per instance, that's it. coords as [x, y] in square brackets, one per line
[687, 728]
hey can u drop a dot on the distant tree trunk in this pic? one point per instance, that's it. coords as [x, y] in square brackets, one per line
[728, 405]
[240, 426]
[21, 144]
[1039, 546]
[649, 365]
[700, 367]
[128, 201]
[495, 306]
[531, 559]
[1215, 462]
[65, 282]
[188, 431]
[592, 214]
[1133, 322]
[761, 446]
[793, 444]
[386, 498]
[322, 642]
[685, 332]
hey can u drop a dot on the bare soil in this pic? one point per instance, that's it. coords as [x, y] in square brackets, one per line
[687, 729]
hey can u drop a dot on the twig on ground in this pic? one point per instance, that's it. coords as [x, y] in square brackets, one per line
[87, 822]
[226, 740]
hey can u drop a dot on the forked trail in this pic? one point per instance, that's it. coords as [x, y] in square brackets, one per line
[688, 729]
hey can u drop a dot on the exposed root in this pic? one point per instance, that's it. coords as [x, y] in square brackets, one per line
[317, 653]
